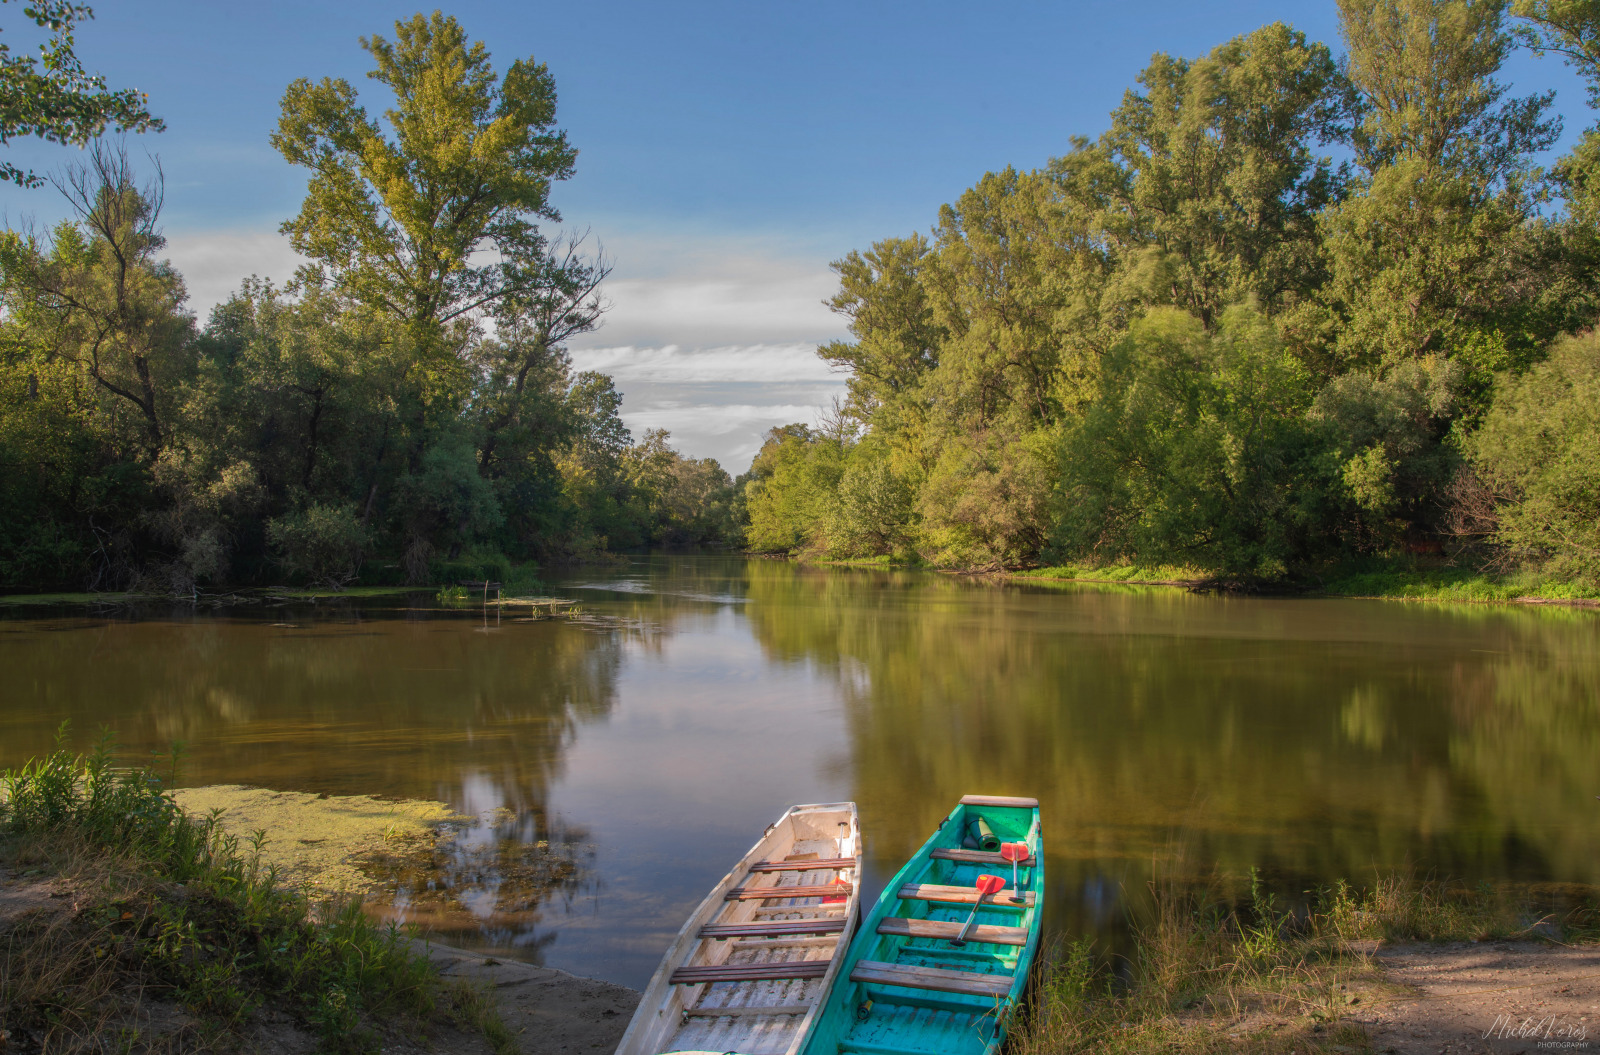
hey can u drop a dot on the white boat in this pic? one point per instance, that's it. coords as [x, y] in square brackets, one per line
[750, 969]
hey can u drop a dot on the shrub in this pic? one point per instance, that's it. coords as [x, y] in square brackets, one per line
[1197, 451]
[321, 543]
[1539, 450]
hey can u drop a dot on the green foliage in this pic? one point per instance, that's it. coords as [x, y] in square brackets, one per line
[53, 97]
[871, 512]
[789, 488]
[1197, 451]
[1433, 254]
[1539, 449]
[1387, 435]
[321, 544]
[1197, 341]
[1220, 184]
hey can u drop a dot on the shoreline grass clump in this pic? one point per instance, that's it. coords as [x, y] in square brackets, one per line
[168, 911]
[1209, 975]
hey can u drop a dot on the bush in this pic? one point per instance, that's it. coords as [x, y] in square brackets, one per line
[1197, 451]
[1539, 451]
[321, 543]
[871, 514]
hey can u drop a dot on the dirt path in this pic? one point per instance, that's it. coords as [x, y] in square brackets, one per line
[1499, 997]
[550, 1012]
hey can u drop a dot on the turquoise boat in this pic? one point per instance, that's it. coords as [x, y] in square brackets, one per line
[906, 987]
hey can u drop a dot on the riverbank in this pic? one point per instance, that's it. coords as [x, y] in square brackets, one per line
[1402, 968]
[129, 924]
[139, 937]
[1393, 582]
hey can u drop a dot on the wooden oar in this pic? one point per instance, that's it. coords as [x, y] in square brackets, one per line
[1014, 852]
[987, 884]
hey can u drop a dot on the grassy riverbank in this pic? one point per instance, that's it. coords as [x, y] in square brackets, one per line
[1207, 977]
[1392, 580]
[158, 930]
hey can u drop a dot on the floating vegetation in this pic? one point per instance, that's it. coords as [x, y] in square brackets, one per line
[491, 877]
[315, 841]
[411, 861]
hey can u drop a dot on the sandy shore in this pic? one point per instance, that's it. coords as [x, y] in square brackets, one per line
[549, 1011]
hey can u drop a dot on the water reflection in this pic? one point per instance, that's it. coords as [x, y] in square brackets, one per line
[403, 701]
[1193, 736]
[616, 766]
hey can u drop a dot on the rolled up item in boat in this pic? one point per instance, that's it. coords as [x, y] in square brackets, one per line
[979, 832]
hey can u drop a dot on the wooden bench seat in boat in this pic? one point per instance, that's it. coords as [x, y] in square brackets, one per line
[749, 972]
[831, 864]
[978, 857]
[936, 928]
[773, 928]
[937, 979]
[1003, 801]
[741, 1012]
[960, 895]
[773, 893]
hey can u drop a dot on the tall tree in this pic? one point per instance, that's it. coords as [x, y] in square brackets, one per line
[896, 338]
[437, 217]
[1224, 181]
[1424, 255]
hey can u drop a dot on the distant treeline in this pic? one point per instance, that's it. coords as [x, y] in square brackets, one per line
[404, 409]
[1290, 309]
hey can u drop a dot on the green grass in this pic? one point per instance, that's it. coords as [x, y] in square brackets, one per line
[169, 905]
[1401, 580]
[1452, 584]
[1208, 976]
[66, 598]
[1134, 574]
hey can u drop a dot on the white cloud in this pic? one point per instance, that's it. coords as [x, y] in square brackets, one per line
[756, 363]
[215, 262]
[699, 289]
[732, 433]
[700, 311]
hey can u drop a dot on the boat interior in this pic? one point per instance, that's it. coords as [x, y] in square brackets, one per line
[755, 960]
[912, 989]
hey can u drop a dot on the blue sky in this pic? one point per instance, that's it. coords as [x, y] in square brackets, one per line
[728, 150]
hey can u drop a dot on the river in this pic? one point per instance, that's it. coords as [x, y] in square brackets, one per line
[1169, 736]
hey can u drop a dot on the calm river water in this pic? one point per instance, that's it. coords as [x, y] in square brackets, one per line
[1183, 737]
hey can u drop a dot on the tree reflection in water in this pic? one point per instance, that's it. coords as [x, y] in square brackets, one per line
[1171, 737]
[1189, 739]
[398, 700]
